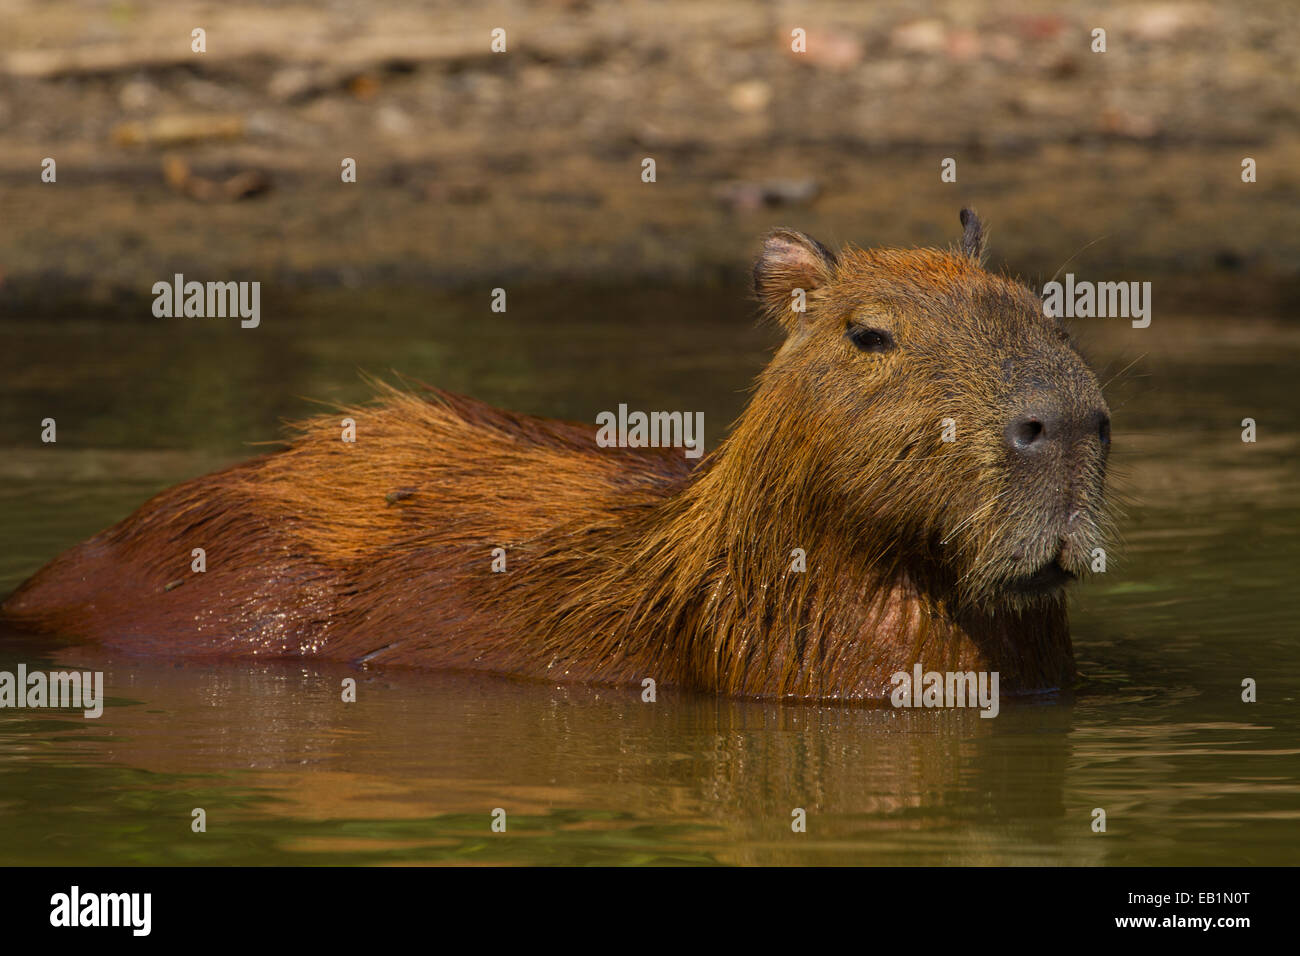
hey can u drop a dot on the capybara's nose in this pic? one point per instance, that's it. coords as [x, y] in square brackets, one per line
[1039, 428]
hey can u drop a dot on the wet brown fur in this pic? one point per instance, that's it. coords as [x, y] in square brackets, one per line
[628, 563]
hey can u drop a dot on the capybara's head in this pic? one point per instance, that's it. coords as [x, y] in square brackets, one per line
[941, 415]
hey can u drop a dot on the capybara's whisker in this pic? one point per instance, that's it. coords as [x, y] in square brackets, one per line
[1123, 370]
[1082, 249]
[978, 513]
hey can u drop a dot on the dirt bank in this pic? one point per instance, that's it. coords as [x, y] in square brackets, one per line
[474, 166]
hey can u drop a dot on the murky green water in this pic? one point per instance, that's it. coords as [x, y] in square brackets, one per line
[1202, 595]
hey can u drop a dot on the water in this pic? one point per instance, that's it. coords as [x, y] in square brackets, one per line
[1200, 596]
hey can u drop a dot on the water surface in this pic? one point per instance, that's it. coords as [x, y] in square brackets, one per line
[1200, 595]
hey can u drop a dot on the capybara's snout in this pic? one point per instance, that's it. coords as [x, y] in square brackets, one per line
[1049, 427]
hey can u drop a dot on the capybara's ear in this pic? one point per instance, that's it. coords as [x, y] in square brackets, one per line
[972, 235]
[789, 270]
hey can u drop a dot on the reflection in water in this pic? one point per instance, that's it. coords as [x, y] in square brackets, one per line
[434, 754]
[1198, 598]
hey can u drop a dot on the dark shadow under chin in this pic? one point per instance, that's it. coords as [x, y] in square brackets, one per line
[1047, 580]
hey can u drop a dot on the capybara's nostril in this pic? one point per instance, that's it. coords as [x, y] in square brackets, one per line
[1027, 434]
[1035, 431]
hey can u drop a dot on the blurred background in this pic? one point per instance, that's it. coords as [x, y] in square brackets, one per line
[522, 170]
[483, 167]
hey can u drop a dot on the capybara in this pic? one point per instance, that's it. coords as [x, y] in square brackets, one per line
[919, 473]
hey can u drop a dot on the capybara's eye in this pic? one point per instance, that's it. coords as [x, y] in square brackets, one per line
[870, 340]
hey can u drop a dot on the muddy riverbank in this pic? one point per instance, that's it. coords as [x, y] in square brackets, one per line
[480, 167]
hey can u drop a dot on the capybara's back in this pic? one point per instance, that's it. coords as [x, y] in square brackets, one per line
[342, 548]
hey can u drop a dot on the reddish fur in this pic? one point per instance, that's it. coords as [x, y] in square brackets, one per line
[622, 564]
